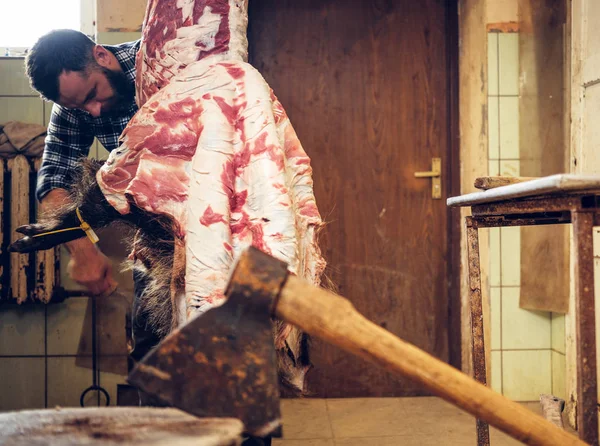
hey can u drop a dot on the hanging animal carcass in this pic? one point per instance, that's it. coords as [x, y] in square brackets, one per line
[209, 165]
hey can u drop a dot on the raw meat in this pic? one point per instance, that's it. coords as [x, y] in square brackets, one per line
[213, 149]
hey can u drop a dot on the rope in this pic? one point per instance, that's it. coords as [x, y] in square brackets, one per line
[83, 226]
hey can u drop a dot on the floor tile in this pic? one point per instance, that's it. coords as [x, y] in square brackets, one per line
[368, 417]
[379, 441]
[391, 421]
[434, 417]
[314, 442]
[500, 438]
[305, 419]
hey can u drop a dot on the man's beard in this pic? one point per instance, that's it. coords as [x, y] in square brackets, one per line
[123, 88]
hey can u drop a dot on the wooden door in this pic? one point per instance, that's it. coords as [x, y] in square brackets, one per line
[368, 86]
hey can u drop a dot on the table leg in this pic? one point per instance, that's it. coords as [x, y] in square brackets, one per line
[478, 341]
[587, 410]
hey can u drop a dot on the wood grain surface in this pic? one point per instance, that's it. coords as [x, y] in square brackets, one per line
[365, 86]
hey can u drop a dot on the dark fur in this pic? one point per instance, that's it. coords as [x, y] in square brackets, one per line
[154, 241]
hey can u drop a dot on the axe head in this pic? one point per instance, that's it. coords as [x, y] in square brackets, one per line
[223, 363]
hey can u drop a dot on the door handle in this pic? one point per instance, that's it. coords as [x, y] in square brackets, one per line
[436, 177]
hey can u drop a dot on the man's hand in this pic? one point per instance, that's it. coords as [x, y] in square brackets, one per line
[90, 268]
[87, 266]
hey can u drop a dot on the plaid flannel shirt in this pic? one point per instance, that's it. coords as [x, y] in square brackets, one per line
[71, 132]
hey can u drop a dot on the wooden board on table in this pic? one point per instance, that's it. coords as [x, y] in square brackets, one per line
[486, 183]
[546, 186]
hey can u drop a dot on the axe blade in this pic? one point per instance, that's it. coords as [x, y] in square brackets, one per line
[222, 363]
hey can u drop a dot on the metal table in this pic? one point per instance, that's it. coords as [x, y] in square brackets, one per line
[557, 199]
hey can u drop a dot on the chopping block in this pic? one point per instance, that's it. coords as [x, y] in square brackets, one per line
[223, 363]
[116, 426]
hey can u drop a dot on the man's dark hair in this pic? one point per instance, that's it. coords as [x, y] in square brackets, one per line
[55, 52]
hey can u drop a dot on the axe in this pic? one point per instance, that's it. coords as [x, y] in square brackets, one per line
[223, 364]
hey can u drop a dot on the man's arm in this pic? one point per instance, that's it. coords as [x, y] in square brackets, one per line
[68, 141]
[88, 266]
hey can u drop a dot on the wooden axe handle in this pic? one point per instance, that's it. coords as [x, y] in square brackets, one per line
[335, 320]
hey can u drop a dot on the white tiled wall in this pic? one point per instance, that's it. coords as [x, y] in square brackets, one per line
[508, 64]
[18, 102]
[527, 346]
[22, 331]
[22, 383]
[526, 374]
[66, 326]
[114, 38]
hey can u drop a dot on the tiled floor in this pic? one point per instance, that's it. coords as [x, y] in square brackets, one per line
[381, 422]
